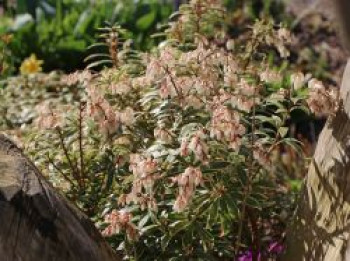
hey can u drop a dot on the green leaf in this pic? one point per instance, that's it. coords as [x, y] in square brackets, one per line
[81, 25]
[283, 131]
[143, 221]
[96, 55]
[148, 228]
[71, 44]
[146, 21]
[165, 241]
[97, 45]
[99, 63]
[295, 184]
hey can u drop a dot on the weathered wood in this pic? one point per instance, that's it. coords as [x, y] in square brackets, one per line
[321, 227]
[37, 223]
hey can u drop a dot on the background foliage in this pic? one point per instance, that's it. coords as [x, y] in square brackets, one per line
[59, 32]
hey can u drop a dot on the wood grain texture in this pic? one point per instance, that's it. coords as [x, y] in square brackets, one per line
[321, 227]
[37, 223]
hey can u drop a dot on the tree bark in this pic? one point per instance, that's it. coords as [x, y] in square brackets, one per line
[321, 226]
[37, 223]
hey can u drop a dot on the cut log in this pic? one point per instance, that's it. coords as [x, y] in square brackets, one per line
[321, 227]
[320, 230]
[37, 223]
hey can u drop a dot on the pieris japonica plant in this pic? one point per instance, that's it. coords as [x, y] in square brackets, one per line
[172, 152]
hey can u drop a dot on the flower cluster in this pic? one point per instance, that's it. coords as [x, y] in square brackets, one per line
[263, 33]
[145, 172]
[190, 76]
[187, 182]
[78, 77]
[163, 135]
[197, 146]
[283, 38]
[122, 87]
[108, 119]
[322, 101]
[120, 221]
[48, 118]
[261, 155]
[101, 111]
[226, 125]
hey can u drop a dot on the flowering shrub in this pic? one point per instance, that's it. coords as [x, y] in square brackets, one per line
[22, 96]
[172, 152]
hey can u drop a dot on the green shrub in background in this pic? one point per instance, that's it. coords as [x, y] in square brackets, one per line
[59, 32]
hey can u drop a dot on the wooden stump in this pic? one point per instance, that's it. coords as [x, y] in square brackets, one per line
[36, 222]
[321, 227]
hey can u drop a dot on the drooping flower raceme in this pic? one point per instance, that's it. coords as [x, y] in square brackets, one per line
[226, 126]
[187, 182]
[120, 221]
[145, 174]
[322, 101]
[197, 145]
[48, 118]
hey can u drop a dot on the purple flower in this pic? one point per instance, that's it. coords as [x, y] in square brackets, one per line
[248, 256]
[276, 248]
